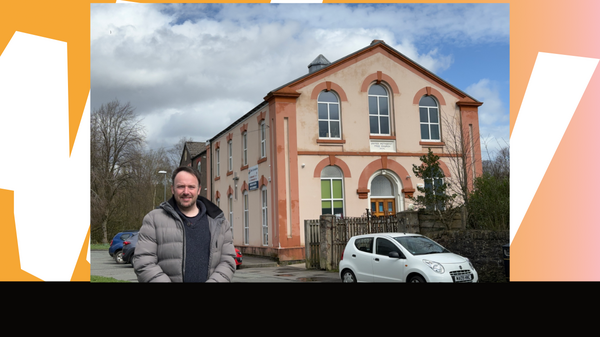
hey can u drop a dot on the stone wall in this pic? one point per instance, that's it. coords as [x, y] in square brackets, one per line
[483, 248]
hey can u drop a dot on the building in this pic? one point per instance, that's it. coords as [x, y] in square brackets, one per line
[340, 140]
[194, 155]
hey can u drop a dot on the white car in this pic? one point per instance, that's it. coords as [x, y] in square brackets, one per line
[402, 257]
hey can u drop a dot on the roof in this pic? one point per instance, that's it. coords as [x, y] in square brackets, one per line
[195, 148]
[374, 44]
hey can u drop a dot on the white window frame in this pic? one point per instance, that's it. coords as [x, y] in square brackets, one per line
[231, 213]
[246, 219]
[331, 198]
[230, 154]
[218, 154]
[379, 115]
[245, 148]
[429, 123]
[263, 139]
[265, 216]
[329, 119]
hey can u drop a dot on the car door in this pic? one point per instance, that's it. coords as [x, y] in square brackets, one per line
[362, 257]
[386, 268]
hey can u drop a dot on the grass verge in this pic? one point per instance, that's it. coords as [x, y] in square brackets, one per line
[103, 279]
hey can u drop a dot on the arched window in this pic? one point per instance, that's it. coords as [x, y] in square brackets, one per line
[329, 115]
[332, 191]
[379, 110]
[430, 119]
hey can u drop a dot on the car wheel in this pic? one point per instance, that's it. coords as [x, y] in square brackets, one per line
[119, 257]
[416, 279]
[348, 276]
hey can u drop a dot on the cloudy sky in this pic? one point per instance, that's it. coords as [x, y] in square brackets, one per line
[190, 70]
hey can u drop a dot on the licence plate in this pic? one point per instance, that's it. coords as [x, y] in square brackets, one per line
[463, 278]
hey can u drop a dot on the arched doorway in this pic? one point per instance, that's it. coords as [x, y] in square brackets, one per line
[384, 196]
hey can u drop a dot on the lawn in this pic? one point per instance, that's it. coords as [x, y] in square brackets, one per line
[103, 279]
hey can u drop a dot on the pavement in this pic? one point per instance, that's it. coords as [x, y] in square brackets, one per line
[258, 269]
[254, 269]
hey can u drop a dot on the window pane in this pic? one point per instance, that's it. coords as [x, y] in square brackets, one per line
[435, 132]
[433, 115]
[424, 131]
[335, 130]
[326, 207]
[380, 207]
[337, 188]
[381, 186]
[427, 101]
[331, 171]
[323, 129]
[327, 96]
[325, 189]
[377, 90]
[374, 124]
[390, 207]
[423, 115]
[373, 106]
[373, 207]
[383, 106]
[323, 111]
[334, 112]
[385, 125]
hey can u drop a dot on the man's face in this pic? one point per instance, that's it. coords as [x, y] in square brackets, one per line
[185, 190]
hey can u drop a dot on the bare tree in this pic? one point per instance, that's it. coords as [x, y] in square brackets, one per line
[176, 151]
[117, 137]
[462, 145]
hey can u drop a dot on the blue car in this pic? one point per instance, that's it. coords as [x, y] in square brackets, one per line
[116, 245]
[129, 248]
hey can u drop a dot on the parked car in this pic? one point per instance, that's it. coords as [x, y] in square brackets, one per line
[238, 258]
[402, 257]
[129, 248]
[116, 245]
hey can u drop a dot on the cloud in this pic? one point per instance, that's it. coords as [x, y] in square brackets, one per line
[494, 117]
[175, 61]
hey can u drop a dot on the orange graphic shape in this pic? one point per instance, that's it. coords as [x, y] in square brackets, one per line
[82, 269]
[67, 21]
[10, 263]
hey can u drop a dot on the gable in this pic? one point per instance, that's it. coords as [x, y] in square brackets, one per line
[380, 51]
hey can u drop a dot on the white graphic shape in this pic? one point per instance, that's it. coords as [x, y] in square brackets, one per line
[51, 189]
[555, 88]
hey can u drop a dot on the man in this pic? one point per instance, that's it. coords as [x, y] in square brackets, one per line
[186, 239]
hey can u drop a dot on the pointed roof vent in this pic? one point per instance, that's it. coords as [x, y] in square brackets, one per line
[319, 63]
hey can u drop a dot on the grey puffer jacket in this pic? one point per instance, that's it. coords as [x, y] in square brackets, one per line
[160, 251]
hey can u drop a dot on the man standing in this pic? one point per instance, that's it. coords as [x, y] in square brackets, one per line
[186, 239]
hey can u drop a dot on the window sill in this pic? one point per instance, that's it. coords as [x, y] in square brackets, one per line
[245, 167]
[432, 144]
[381, 137]
[331, 141]
[229, 173]
[217, 178]
[261, 160]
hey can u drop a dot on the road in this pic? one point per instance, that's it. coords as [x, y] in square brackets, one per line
[104, 265]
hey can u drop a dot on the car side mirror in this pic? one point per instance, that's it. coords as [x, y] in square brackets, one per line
[394, 255]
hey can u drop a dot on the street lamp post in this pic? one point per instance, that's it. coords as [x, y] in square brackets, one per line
[165, 184]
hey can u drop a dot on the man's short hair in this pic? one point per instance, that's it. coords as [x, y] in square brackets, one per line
[187, 169]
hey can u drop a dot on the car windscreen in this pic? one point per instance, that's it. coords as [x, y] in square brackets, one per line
[419, 245]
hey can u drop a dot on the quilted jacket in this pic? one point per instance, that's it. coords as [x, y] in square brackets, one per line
[160, 251]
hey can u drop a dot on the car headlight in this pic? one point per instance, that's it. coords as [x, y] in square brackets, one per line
[470, 264]
[435, 266]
